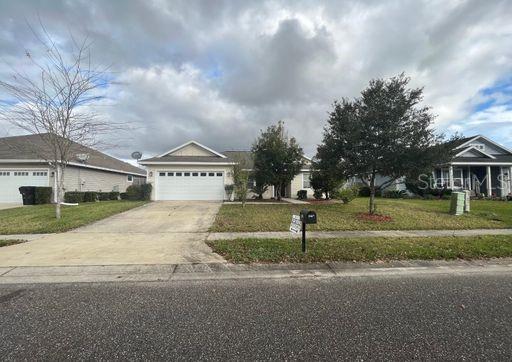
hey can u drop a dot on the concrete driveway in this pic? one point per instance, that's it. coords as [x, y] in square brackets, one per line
[10, 205]
[171, 232]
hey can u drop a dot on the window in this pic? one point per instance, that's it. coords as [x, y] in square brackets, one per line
[203, 173]
[161, 174]
[187, 173]
[219, 174]
[251, 182]
[178, 173]
[306, 180]
[5, 173]
[170, 173]
[21, 173]
[130, 178]
[39, 173]
[195, 174]
[211, 174]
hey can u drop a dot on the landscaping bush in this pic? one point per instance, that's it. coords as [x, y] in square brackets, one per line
[347, 194]
[138, 192]
[318, 194]
[43, 195]
[90, 196]
[123, 196]
[103, 196]
[364, 191]
[302, 194]
[113, 195]
[394, 194]
[74, 197]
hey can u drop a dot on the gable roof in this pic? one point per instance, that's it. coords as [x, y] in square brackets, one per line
[168, 153]
[29, 148]
[473, 149]
[465, 142]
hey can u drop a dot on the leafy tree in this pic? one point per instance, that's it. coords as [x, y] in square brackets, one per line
[325, 176]
[277, 158]
[384, 132]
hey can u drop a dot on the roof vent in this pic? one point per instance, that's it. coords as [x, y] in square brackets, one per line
[82, 157]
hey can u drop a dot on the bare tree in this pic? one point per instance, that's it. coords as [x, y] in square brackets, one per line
[55, 103]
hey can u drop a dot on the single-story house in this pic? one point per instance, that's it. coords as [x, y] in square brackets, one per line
[193, 171]
[479, 165]
[21, 164]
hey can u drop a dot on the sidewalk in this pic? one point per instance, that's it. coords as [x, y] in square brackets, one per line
[357, 234]
[219, 271]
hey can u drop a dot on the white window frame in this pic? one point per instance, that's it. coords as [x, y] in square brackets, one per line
[128, 177]
[303, 179]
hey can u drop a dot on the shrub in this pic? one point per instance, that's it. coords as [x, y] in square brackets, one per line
[394, 194]
[138, 192]
[113, 195]
[90, 196]
[318, 194]
[347, 194]
[428, 197]
[103, 196]
[302, 194]
[123, 196]
[229, 190]
[43, 195]
[364, 191]
[74, 197]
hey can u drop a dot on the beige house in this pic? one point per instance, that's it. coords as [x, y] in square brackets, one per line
[193, 171]
[21, 164]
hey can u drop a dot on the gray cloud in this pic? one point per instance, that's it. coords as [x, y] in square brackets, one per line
[219, 71]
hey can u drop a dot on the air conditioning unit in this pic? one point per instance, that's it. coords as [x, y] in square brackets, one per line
[82, 157]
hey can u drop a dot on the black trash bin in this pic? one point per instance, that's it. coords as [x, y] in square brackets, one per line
[29, 194]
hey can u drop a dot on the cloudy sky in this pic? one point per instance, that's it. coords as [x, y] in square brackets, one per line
[219, 71]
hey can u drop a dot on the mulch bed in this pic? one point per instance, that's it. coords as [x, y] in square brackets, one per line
[374, 217]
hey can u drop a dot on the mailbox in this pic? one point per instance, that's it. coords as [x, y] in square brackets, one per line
[308, 217]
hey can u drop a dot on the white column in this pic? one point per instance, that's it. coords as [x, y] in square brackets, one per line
[489, 182]
[502, 184]
[450, 175]
[470, 185]
[510, 179]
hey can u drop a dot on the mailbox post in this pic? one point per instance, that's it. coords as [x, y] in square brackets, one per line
[307, 217]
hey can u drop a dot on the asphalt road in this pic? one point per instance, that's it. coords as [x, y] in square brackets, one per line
[395, 318]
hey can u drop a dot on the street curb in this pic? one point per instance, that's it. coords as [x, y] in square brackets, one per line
[226, 271]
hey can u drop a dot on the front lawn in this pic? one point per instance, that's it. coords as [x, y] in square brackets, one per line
[362, 249]
[40, 219]
[404, 214]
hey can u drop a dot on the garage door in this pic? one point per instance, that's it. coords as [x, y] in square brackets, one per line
[11, 180]
[190, 185]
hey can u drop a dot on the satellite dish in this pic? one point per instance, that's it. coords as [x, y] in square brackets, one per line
[136, 155]
[82, 157]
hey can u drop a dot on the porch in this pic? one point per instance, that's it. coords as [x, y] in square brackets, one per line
[485, 180]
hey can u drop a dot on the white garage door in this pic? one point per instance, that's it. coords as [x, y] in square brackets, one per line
[11, 181]
[190, 185]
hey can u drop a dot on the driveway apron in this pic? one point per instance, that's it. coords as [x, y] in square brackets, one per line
[164, 232]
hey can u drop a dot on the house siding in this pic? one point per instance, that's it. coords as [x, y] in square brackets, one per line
[85, 179]
[296, 185]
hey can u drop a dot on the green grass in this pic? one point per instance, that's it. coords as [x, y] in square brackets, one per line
[405, 214]
[362, 249]
[41, 218]
[10, 242]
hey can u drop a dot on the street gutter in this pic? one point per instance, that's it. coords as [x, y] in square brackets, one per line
[224, 271]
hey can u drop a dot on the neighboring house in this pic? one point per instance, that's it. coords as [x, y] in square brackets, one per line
[21, 164]
[193, 171]
[480, 165]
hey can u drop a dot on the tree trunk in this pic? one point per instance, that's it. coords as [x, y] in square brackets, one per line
[58, 188]
[372, 194]
[278, 192]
